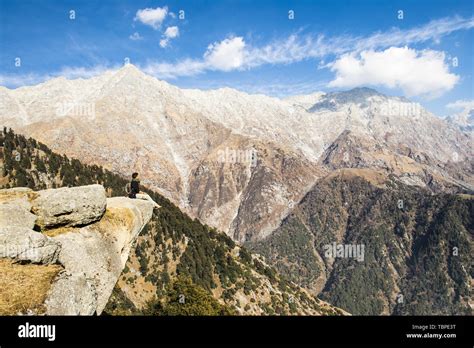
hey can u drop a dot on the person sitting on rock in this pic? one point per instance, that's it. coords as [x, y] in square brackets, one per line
[133, 190]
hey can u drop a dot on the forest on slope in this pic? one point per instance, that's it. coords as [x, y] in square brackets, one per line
[179, 266]
[418, 246]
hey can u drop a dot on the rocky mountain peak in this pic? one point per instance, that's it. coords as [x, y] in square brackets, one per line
[131, 69]
[361, 96]
[126, 120]
[131, 72]
[364, 92]
[463, 120]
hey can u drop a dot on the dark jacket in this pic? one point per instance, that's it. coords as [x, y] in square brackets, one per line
[134, 188]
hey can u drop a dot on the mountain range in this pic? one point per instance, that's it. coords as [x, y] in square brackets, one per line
[333, 166]
[128, 121]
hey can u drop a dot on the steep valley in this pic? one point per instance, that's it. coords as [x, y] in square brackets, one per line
[173, 255]
[418, 246]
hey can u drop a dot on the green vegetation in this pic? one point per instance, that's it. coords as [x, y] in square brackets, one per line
[417, 260]
[295, 243]
[119, 304]
[174, 254]
[183, 297]
[24, 160]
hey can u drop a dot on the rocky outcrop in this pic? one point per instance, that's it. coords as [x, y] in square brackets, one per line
[70, 206]
[13, 215]
[24, 244]
[87, 234]
[95, 255]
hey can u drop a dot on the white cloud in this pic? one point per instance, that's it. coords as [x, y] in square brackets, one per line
[415, 72]
[164, 43]
[461, 105]
[226, 55]
[278, 89]
[186, 67]
[234, 53]
[152, 16]
[170, 33]
[135, 36]
[82, 72]
[297, 47]
[14, 80]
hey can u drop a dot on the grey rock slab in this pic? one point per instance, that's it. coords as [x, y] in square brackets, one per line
[24, 244]
[72, 294]
[69, 206]
[98, 255]
[14, 214]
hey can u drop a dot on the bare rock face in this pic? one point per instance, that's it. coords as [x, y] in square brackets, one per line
[94, 257]
[20, 196]
[72, 294]
[13, 214]
[18, 241]
[73, 206]
[24, 244]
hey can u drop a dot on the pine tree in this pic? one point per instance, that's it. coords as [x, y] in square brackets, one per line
[39, 164]
[25, 162]
[21, 179]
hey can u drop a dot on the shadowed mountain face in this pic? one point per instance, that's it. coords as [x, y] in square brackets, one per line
[237, 162]
[412, 250]
[414, 168]
[360, 95]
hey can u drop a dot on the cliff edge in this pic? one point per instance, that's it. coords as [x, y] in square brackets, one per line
[62, 250]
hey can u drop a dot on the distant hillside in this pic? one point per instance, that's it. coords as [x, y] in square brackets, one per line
[179, 266]
[418, 246]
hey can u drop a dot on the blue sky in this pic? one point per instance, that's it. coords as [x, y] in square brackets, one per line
[250, 45]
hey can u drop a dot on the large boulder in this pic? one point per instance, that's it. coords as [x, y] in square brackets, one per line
[14, 214]
[24, 244]
[66, 206]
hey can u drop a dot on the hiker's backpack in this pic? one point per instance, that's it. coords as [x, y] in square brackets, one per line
[128, 189]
